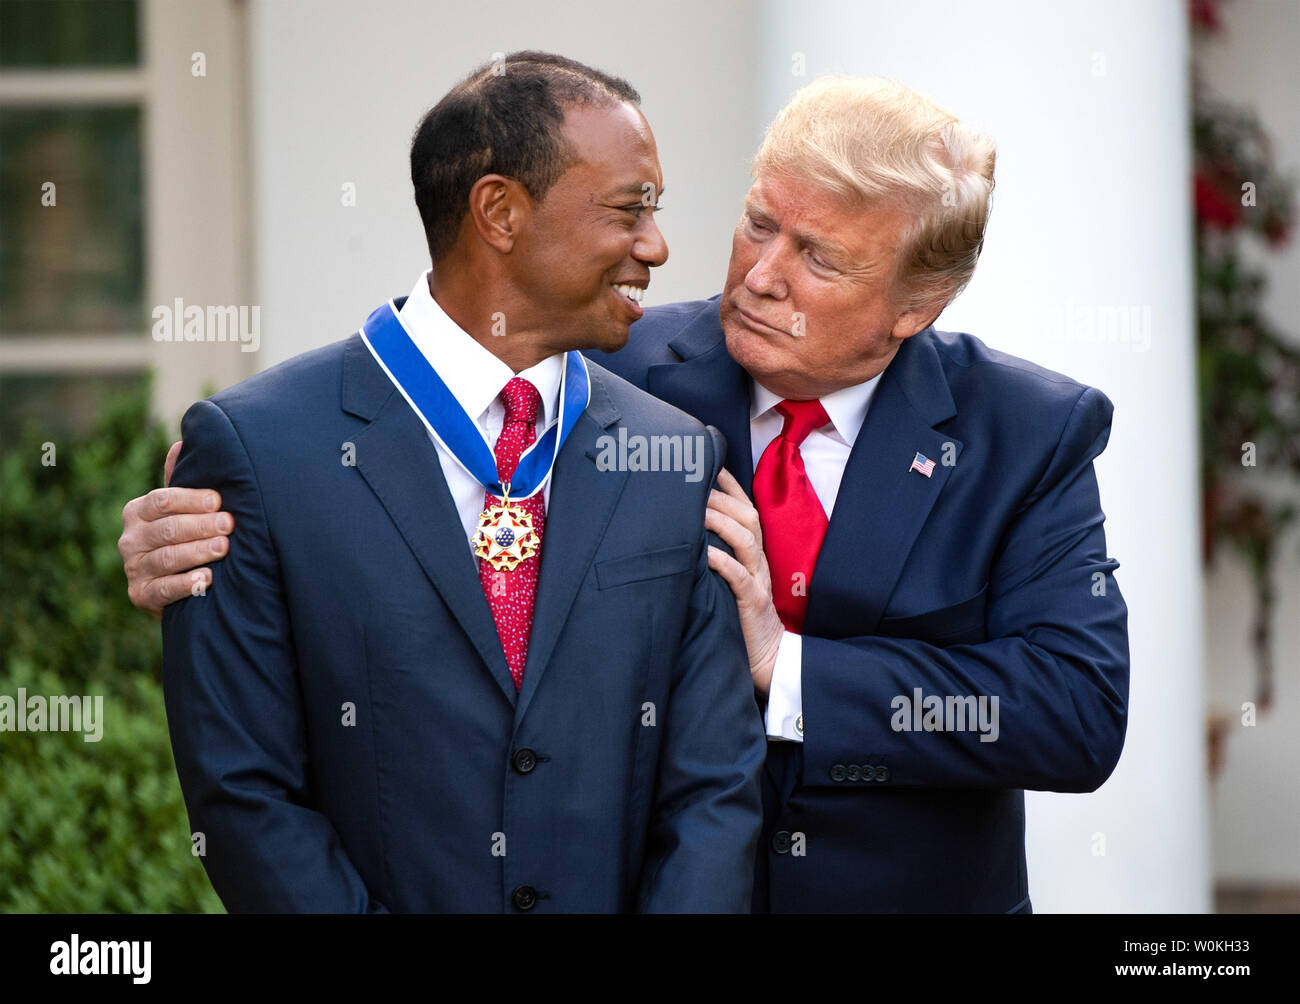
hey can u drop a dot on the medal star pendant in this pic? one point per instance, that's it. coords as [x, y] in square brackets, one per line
[505, 535]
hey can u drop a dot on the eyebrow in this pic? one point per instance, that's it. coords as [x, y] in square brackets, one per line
[635, 191]
[827, 247]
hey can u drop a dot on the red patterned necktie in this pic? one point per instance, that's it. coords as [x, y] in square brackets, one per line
[512, 595]
[793, 520]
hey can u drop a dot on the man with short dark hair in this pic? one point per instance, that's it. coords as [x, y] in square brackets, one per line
[452, 663]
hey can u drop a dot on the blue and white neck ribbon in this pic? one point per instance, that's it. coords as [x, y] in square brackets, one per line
[454, 429]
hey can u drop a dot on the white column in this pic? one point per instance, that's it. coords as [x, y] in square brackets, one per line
[1087, 269]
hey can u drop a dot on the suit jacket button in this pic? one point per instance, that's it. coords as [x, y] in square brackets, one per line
[524, 760]
[853, 772]
[868, 772]
[524, 898]
[837, 772]
[882, 773]
[781, 841]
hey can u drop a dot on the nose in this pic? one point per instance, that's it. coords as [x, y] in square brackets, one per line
[650, 248]
[765, 276]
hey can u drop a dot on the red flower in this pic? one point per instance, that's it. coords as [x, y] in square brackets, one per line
[1277, 230]
[1213, 208]
[1205, 14]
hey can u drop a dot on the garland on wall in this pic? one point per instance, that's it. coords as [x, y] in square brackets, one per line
[1249, 371]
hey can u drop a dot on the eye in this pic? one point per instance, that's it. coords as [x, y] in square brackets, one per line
[754, 225]
[818, 262]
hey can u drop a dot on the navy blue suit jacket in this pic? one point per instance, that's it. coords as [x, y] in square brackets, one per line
[990, 577]
[346, 730]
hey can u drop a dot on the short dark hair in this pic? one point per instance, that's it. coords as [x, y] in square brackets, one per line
[504, 118]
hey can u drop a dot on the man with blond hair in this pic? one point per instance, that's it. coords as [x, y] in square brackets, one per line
[917, 554]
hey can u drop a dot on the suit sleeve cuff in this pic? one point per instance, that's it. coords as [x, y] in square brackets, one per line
[784, 716]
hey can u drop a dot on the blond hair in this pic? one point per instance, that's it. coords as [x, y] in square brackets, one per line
[873, 141]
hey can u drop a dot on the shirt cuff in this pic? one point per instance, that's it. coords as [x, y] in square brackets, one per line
[784, 716]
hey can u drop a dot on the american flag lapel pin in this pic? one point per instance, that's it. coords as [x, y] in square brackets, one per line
[923, 464]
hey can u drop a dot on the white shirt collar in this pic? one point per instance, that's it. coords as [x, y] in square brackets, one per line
[474, 375]
[846, 408]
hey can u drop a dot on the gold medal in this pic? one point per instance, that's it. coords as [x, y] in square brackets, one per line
[505, 535]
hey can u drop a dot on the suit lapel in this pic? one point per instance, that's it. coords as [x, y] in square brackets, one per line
[709, 385]
[882, 504]
[582, 500]
[400, 463]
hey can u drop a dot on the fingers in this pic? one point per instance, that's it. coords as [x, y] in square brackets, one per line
[174, 559]
[758, 618]
[166, 535]
[170, 544]
[744, 586]
[728, 483]
[181, 529]
[737, 536]
[169, 464]
[739, 509]
[154, 594]
[170, 501]
[733, 573]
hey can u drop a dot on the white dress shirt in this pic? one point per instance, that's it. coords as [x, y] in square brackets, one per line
[475, 378]
[825, 453]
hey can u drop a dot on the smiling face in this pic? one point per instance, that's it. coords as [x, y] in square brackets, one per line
[807, 308]
[594, 231]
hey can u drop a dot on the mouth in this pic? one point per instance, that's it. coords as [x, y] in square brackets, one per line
[757, 324]
[631, 296]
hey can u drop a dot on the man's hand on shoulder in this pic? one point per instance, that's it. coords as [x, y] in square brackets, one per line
[167, 535]
[734, 519]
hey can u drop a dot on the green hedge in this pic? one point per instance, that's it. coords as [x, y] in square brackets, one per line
[86, 826]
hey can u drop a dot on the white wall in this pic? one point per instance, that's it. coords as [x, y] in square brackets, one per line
[1256, 809]
[338, 88]
[1088, 104]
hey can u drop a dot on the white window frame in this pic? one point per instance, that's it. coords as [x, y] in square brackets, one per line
[196, 194]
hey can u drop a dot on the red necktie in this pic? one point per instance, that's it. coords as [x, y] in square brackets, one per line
[793, 520]
[511, 595]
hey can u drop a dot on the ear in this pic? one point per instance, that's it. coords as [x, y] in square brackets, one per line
[498, 208]
[914, 321]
